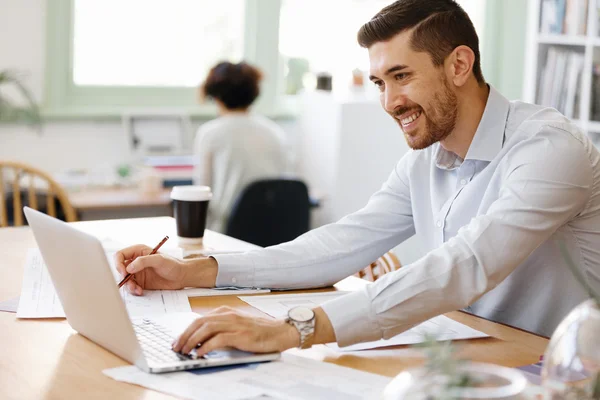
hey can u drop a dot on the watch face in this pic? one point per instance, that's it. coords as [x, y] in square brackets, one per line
[301, 314]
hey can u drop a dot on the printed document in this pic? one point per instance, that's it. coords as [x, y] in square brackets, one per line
[9, 305]
[39, 300]
[441, 327]
[222, 291]
[292, 377]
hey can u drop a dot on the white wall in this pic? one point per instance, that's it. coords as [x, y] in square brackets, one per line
[348, 148]
[82, 144]
[59, 145]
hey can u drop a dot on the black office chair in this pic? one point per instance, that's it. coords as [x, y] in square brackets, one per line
[269, 212]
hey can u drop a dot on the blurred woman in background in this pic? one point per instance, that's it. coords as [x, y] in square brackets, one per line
[238, 147]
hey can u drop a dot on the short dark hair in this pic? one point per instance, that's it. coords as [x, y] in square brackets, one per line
[440, 27]
[235, 85]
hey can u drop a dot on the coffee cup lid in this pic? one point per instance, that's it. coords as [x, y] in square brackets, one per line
[191, 193]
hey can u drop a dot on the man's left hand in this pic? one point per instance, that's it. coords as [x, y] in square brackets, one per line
[227, 327]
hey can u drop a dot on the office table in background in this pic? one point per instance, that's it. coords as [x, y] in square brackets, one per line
[96, 204]
[47, 359]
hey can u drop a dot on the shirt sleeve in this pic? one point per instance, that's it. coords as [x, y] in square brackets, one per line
[546, 182]
[330, 253]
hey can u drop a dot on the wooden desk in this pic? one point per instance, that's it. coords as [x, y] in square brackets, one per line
[96, 204]
[47, 359]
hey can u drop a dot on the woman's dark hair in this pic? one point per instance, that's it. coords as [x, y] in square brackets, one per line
[235, 85]
[440, 26]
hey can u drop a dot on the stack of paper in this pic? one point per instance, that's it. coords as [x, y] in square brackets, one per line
[39, 300]
[292, 377]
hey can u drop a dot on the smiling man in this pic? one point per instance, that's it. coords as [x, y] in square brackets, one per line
[492, 188]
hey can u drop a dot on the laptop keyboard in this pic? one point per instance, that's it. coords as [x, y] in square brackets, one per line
[156, 342]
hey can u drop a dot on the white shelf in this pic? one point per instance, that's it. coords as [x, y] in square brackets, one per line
[569, 40]
[587, 46]
[594, 126]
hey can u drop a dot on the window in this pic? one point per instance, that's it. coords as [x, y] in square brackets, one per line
[110, 56]
[153, 43]
[320, 36]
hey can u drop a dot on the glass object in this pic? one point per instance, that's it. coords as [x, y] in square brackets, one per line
[154, 43]
[572, 361]
[469, 381]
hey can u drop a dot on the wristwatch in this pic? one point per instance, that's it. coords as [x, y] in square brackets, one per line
[303, 319]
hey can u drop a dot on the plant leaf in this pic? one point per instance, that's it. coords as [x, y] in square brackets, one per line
[10, 112]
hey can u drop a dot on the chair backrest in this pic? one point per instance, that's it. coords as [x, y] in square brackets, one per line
[269, 212]
[14, 175]
[384, 264]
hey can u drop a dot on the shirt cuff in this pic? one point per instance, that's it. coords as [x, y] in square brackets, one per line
[234, 270]
[352, 318]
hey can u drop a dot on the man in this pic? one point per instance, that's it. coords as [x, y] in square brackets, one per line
[493, 188]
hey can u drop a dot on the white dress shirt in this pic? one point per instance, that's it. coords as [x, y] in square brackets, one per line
[233, 151]
[492, 224]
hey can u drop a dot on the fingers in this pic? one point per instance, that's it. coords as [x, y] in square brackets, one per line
[219, 341]
[129, 253]
[220, 314]
[143, 262]
[134, 288]
[203, 334]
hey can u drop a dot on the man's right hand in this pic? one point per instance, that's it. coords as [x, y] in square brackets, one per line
[159, 271]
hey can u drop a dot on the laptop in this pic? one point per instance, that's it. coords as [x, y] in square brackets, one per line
[88, 292]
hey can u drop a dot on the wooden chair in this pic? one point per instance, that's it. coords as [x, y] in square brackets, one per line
[13, 175]
[384, 264]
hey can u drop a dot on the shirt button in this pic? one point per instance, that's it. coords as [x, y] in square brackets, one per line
[463, 181]
[439, 224]
[233, 280]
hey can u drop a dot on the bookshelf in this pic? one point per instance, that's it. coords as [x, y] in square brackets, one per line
[562, 55]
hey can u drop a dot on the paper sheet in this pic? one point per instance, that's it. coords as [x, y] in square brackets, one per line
[532, 372]
[278, 305]
[443, 328]
[39, 299]
[9, 305]
[292, 377]
[440, 327]
[203, 292]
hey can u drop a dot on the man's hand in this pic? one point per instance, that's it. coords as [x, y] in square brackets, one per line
[159, 271]
[227, 327]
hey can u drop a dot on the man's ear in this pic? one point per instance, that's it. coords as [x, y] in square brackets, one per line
[459, 65]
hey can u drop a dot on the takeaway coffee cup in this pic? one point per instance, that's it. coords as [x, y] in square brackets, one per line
[190, 206]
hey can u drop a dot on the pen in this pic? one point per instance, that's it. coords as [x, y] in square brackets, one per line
[154, 250]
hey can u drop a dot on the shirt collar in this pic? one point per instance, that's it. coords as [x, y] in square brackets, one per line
[489, 137]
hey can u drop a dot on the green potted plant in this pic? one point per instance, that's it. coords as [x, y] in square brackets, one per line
[26, 110]
[445, 377]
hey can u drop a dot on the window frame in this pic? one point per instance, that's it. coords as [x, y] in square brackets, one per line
[65, 100]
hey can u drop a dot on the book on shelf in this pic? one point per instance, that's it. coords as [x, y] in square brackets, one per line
[595, 106]
[564, 17]
[173, 169]
[560, 80]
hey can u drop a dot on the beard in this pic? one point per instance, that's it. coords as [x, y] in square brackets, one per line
[440, 119]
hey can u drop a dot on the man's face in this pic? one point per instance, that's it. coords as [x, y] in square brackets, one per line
[413, 91]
